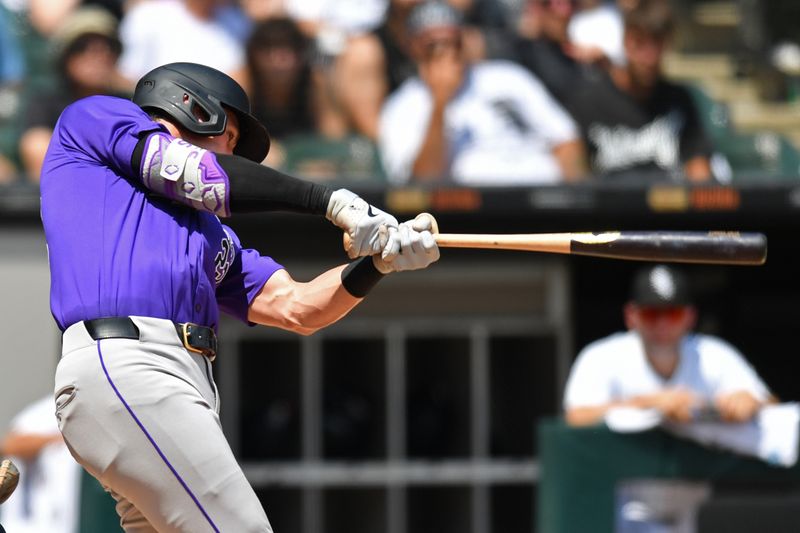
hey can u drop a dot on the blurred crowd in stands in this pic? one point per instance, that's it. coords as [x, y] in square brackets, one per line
[475, 92]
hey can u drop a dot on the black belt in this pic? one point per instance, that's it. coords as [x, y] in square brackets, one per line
[195, 338]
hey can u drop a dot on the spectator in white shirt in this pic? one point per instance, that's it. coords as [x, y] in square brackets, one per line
[209, 32]
[490, 123]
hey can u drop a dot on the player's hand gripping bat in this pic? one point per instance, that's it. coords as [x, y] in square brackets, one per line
[716, 247]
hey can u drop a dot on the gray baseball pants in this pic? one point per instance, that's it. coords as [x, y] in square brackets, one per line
[142, 416]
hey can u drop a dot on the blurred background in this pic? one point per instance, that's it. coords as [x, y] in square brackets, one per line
[427, 409]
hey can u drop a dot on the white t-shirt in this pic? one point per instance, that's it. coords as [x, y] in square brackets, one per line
[615, 368]
[48, 493]
[501, 127]
[154, 33]
[601, 27]
[349, 16]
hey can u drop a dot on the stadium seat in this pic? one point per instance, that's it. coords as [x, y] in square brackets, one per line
[762, 156]
[352, 158]
[714, 115]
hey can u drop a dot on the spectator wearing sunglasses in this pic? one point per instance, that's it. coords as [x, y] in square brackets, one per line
[661, 363]
[487, 123]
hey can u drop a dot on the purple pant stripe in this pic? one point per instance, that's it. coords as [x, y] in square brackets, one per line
[153, 442]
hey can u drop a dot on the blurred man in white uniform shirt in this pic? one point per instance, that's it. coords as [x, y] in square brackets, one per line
[660, 363]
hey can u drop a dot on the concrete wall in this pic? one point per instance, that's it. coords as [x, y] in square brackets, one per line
[29, 338]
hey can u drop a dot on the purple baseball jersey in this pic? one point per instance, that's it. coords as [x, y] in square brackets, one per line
[118, 249]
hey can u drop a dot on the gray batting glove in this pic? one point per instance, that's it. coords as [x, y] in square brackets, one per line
[368, 227]
[415, 244]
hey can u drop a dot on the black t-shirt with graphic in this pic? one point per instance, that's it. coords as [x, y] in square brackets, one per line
[631, 139]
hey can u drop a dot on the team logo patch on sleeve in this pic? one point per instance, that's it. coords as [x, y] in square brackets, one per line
[224, 259]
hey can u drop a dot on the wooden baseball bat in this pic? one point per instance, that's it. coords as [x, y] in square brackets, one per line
[713, 247]
[727, 248]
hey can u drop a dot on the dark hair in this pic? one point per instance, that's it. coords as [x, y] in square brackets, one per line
[276, 32]
[297, 115]
[653, 17]
[79, 44]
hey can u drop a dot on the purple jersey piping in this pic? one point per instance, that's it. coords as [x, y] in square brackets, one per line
[153, 442]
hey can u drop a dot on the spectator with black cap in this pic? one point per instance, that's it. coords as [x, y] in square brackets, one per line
[661, 363]
[488, 123]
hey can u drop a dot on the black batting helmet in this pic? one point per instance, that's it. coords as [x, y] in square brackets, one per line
[195, 96]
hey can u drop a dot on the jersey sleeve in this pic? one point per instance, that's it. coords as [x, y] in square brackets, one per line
[589, 382]
[103, 129]
[734, 372]
[244, 279]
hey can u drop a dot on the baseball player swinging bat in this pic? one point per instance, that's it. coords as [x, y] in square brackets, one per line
[715, 247]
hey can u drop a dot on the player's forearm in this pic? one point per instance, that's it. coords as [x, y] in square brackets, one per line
[571, 157]
[585, 416]
[698, 169]
[594, 414]
[303, 308]
[258, 188]
[26, 446]
[431, 162]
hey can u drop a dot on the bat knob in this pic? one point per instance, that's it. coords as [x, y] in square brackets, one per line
[347, 242]
[425, 222]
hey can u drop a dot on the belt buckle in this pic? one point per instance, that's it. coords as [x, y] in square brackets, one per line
[185, 338]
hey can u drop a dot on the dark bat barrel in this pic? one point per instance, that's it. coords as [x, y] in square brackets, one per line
[729, 248]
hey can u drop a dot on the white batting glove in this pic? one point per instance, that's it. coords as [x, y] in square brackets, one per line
[368, 227]
[415, 244]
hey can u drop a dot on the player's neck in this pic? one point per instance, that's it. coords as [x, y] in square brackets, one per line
[664, 359]
[202, 9]
[171, 128]
[627, 83]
